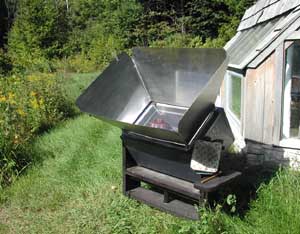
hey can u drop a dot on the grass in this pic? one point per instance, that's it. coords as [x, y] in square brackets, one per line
[276, 209]
[75, 84]
[72, 191]
[75, 187]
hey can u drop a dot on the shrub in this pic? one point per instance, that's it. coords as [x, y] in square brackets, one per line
[179, 41]
[103, 49]
[28, 106]
[96, 50]
[39, 31]
[175, 40]
[5, 65]
[78, 63]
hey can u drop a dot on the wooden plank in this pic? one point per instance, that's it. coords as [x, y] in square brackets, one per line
[127, 161]
[278, 89]
[254, 100]
[156, 200]
[223, 93]
[218, 182]
[269, 99]
[164, 181]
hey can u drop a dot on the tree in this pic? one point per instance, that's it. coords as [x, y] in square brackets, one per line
[39, 32]
[11, 7]
[199, 18]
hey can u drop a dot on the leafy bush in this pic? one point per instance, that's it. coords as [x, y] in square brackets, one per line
[96, 50]
[78, 63]
[175, 41]
[38, 34]
[103, 49]
[28, 105]
[5, 63]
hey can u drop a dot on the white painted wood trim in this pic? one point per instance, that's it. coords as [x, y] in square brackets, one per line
[290, 143]
[234, 122]
[287, 97]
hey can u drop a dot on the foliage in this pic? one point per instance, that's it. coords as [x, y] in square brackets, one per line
[99, 33]
[28, 105]
[5, 63]
[97, 49]
[205, 20]
[87, 32]
[38, 34]
[275, 209]
[176, 41]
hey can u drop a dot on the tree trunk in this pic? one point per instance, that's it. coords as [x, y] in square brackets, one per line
[67, 3]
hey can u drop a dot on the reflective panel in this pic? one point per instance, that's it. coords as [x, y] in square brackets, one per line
[161, 116]
[177, 76]
[117, 94]
[161, 93]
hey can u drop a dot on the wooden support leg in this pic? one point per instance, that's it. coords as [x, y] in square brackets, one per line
[128, 182]
[167, 197]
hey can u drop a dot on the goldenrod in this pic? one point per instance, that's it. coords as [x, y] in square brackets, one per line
[21, 112]
[34, 103]
[2, 98]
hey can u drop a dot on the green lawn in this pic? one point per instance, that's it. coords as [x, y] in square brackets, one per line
[72, 191]
[75, 187]
[76, 83]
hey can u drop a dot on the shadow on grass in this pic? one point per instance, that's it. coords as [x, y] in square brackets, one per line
[246, 187]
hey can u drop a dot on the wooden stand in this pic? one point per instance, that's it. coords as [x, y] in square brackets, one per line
[167, 193]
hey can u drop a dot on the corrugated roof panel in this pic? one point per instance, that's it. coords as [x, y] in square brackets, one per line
[265, 10]
[232, 41]
[251, 46]
[270, 11]
[248, 23]
[274, 43]
[260, 5]
[248, 41]
[273, 1]
[249, 12]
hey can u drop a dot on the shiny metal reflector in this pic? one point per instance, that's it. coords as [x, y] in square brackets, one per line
[161, 93]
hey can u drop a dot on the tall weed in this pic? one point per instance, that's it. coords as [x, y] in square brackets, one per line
[28, 105]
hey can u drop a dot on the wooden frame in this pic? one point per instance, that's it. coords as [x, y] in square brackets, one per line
[279, 66]
[169, 193]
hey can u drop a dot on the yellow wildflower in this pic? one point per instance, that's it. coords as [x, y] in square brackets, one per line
[11, 95]
[34, 104]
[41, 101]
[21, 112]
[32, 93]
[2, 98]
[16, 140]
[32, 78]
